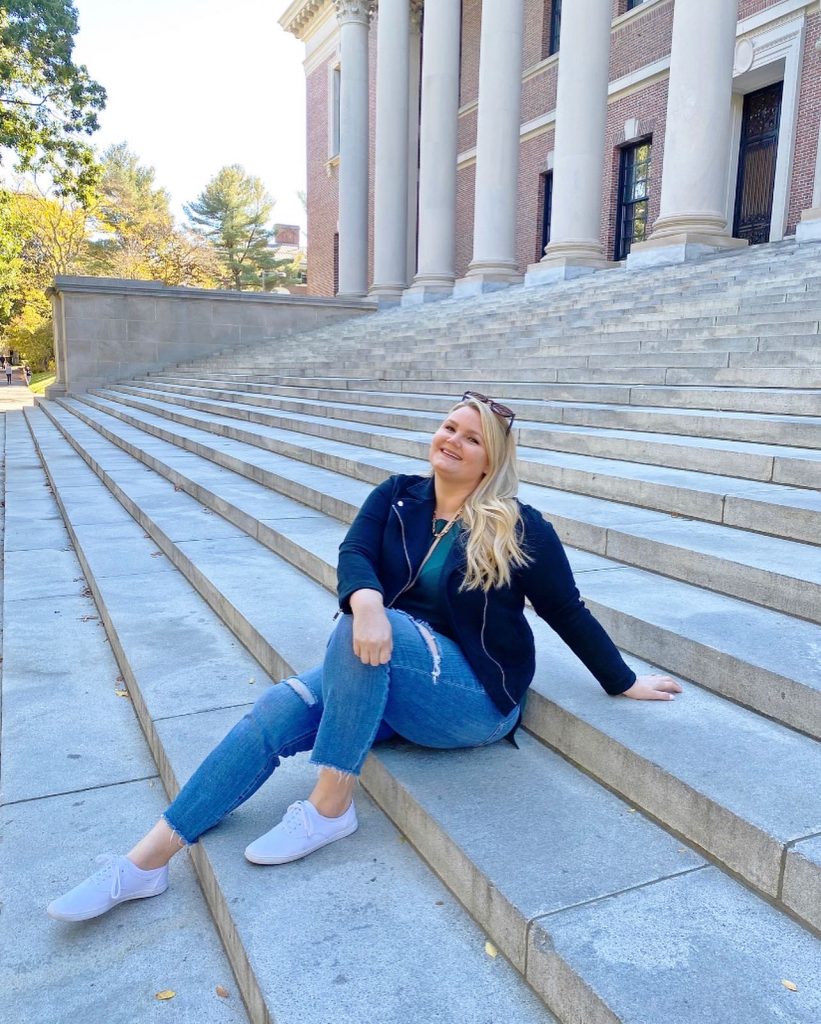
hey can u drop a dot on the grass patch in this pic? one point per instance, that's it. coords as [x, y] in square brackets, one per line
[40, 381]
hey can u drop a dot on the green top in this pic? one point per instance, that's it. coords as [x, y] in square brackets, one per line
[425, 599]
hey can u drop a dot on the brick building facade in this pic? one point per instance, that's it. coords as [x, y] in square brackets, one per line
[777, 41]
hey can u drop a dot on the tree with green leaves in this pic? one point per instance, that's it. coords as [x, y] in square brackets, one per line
[233, 212]
[136, 233]
[47, 102]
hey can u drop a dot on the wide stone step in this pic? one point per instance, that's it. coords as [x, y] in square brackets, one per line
[800, 467]
[569, 403]
[680, 626]
[779, 574]
[739, 840]
[381, 905]
[791, 513]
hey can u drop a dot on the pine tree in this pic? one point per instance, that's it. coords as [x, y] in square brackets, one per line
[233, 212]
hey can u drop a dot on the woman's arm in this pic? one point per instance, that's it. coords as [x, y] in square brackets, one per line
[358, 586]
[359, 551]
[552, 590]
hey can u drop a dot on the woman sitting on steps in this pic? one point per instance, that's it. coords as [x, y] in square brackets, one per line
[433, 646]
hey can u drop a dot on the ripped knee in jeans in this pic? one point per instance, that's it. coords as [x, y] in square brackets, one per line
[301, 690]
[433, 646]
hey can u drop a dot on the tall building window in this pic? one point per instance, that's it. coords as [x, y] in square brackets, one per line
[554, 27]
[634, 3]
[634, 196]
[546, 208]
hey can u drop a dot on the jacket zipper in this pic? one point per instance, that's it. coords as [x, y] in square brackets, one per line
[411, 579]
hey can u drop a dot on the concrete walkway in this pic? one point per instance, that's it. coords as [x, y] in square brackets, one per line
[15, 395]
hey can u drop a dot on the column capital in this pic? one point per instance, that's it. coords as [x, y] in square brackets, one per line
[354, 11]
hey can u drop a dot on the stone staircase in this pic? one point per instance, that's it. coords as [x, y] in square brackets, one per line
[633, 862]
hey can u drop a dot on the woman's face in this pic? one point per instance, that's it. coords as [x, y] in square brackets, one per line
[457, 450]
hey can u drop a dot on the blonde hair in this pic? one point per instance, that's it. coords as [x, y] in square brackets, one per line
[491, 513]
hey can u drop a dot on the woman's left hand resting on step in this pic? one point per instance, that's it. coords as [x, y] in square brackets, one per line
[653, 688]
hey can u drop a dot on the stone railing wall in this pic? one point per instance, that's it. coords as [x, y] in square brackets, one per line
[107, 329]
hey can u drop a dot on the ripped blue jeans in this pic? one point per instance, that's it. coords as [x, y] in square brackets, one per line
[427, 693]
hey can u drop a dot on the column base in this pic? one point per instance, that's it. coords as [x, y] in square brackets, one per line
[386, 296]
[679, 248]
[561, 268]
[486, 277]
[426, 290]
[55, 390]
[808, 228]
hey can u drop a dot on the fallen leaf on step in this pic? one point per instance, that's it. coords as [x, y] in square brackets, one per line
[167, 993]
[223, 993]
[121, 693]
[491, 950]
[791, 985]
[251, 680]
[156, 554]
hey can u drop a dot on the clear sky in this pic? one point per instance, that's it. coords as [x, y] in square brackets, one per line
[196, 84]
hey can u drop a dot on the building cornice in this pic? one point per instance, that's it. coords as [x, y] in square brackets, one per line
[298, 17]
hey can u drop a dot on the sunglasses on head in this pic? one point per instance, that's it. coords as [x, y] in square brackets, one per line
[494, 406]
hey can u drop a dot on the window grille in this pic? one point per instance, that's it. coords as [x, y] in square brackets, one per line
[634, 196]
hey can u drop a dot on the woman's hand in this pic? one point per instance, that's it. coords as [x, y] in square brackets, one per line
[372, 633]
[653, 688]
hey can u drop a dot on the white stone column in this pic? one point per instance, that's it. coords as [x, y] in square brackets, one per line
[494, 263]
[578, 156]
[809, 227]
[692, 219]
[414, 93]
[390, 243]
[354, 16]
[438, 144]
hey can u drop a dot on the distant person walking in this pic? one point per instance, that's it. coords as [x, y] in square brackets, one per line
[27, 372]
[8, 372]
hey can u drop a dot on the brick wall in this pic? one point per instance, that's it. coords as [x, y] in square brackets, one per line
[532, 163]
[809, 115]
[471, 32]
[748, 7]
[465, 185]
[645, 38]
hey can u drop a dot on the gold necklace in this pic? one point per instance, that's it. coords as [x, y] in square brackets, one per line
[441, 533]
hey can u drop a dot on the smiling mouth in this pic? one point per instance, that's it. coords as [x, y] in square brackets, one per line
[450, 455]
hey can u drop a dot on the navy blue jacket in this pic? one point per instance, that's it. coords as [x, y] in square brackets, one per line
[386, 545]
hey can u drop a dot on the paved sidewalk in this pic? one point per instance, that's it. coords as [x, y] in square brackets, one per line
[15, 395]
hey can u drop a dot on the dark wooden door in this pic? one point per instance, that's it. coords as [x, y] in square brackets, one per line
[756, 164]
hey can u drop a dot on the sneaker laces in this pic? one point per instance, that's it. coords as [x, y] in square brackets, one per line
[297, 820]
[110, 862]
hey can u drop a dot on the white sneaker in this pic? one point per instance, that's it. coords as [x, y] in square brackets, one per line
[301, 831]
[117, 880]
